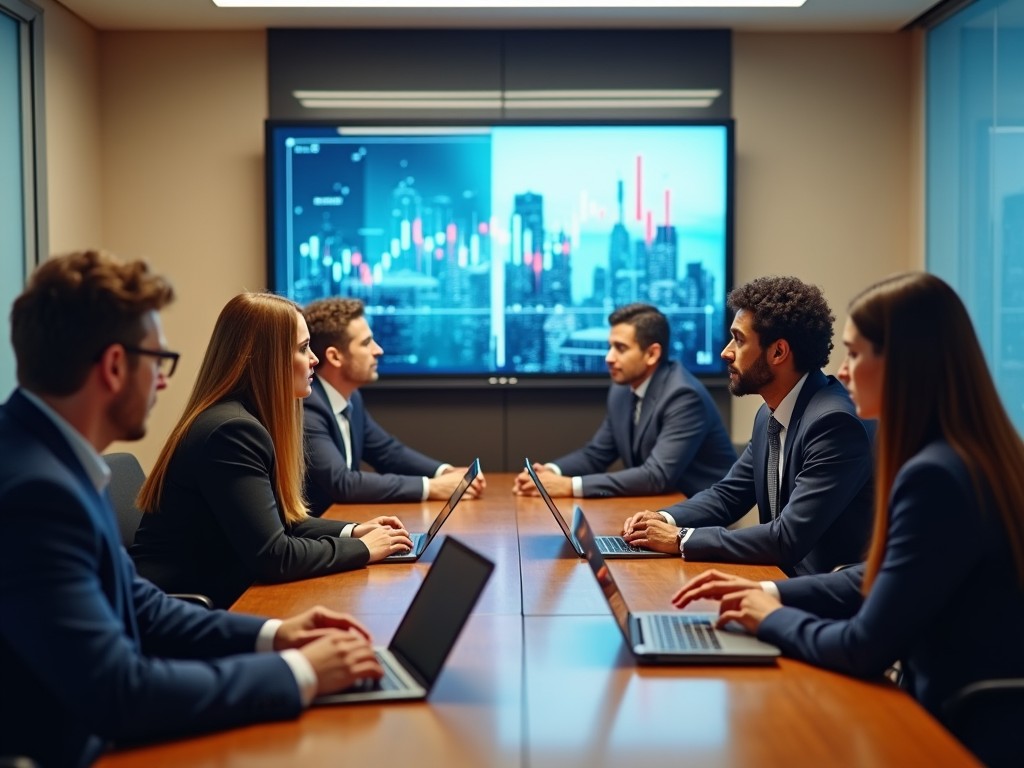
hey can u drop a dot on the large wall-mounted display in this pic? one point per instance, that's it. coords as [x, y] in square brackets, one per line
[500, 249]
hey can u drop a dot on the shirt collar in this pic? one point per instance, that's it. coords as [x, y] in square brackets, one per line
[334, 397]
[641, 391]
[95, 467]
[784, 413]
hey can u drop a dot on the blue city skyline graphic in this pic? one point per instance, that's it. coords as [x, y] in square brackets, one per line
[503, 250]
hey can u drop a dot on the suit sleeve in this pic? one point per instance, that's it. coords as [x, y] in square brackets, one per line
[235, 480]
[836, 465]
[827, 595]
[58, 620]
[326, 469]
[386, 453]
[681, 431]
[723, 503]
[595, 456]
[917, 577]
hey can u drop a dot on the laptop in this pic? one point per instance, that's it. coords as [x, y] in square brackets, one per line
[413, 661]
[420, 541]
[609, 546]
[670, 638]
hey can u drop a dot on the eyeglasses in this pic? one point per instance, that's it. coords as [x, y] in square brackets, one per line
[168, 360]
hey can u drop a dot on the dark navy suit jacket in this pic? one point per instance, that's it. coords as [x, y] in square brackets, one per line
[680, 443]
[825, 491]
[947, 599]
[89, 652]
[330, 481]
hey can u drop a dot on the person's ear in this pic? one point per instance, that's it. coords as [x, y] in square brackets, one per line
[333, 357]
[653, 354]
[779, 352]
[113, 368]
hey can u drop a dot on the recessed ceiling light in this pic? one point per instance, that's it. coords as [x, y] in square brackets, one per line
[509, 3]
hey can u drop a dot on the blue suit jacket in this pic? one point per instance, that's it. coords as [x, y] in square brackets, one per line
[89, 652]
[946, 601]
[328, 479]
[825, 491]
[680, 441]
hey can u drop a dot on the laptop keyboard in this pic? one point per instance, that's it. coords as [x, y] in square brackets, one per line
[415, 544]
[616, 544]
[390, 682]
[683, 633]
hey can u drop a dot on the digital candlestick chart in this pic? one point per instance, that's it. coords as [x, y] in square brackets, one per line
[504, 249]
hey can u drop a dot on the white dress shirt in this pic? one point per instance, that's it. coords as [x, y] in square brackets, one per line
[338, 404]
[783, 414]
[640, 392]
[99, 475]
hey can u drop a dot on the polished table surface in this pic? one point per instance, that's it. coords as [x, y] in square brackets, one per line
[540, 675]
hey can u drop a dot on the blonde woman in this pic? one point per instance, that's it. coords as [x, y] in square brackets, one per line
[224, 501]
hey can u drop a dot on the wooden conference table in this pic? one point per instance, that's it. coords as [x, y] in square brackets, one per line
[540, 676]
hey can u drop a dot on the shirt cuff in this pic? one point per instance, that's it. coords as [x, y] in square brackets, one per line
[668, 518]
[771, 589]
[577, 487]
[265, 639]
[441, 470]
[426, 489]
[346, 532]
[305, 675]
[554, 468]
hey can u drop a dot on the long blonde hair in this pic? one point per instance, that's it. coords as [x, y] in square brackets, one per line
[936, 382]
[250, 356]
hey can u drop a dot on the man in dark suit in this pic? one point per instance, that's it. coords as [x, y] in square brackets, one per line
[661, 422]
[89, 652]
[340, 433]
[808, 465]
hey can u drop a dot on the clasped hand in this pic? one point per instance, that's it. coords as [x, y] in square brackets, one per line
[556, 485]
[649, 530]
[742, 600]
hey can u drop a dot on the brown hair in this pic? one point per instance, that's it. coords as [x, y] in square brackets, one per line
[650, 326]
[74, 307]
[924, 333]
[328, 321]
[788, 308]
[249, 356]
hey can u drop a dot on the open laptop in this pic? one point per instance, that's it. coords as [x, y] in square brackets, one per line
[670, 638]
[412, 662]
[609, 546]
[420, 541]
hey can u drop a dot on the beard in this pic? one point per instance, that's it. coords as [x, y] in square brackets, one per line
[752, 380]
[128, 412]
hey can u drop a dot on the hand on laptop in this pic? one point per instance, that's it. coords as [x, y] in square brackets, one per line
[556, 485]
[627, 527]
[313, 624]
[441, 488]
[748, 607]
[711, 585]
[340, 658]
[383, 541]
[655, 534]
[389, 521]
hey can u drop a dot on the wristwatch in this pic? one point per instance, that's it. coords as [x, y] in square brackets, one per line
[680, 537]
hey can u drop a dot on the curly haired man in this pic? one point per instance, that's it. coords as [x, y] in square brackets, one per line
[808, 466]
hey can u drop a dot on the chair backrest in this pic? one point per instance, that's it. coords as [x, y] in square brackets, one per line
[987, 717]
[126, 479]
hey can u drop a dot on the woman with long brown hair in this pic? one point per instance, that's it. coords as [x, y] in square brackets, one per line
[224, 501]
[943, 586]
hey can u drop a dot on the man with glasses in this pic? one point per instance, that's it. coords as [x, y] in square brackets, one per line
[89, 652]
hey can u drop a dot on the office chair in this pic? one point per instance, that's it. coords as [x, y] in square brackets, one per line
[14, 761]
[126, 479]
[986, 717]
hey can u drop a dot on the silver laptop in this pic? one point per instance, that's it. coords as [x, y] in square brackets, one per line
[420, 541]
[609, 546]
[413, 661]
[670, 638]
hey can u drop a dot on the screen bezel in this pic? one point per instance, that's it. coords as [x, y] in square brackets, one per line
[490, 379]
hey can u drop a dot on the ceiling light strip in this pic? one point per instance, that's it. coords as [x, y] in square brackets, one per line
[509, 4]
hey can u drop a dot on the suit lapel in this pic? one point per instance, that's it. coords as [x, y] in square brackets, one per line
[815, 381]
[759, 446]
[357, 423]
[332, 419]
[621, 416]
[649, 404]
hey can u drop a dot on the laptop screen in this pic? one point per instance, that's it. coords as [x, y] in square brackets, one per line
[548, 501]
[467, 480]
[433, 622]
[609, 588]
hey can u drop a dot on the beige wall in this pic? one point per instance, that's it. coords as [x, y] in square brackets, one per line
[71, 72]
[827, 188]
[182, 146]
[824, 151]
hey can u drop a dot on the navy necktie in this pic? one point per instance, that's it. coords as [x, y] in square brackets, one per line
[774, 448]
